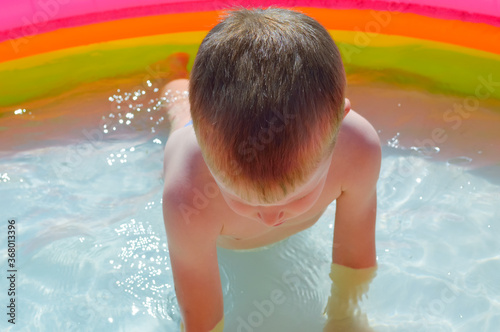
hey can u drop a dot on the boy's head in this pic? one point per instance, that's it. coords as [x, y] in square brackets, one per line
[266, 94]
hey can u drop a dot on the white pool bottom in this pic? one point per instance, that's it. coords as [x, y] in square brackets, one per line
[92, 251]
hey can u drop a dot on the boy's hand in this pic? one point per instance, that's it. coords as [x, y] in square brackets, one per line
[358, 323]
[218, 328]
[348, 287]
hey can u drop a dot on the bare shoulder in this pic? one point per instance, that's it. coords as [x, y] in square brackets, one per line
[178, 162]
[358, 148]
[357, 131]
[180, 148]
[188, 193]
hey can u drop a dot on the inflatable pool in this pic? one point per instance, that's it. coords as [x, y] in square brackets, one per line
[81, 154]
[427, 41]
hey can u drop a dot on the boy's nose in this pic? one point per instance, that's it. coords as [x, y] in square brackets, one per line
[271, 218]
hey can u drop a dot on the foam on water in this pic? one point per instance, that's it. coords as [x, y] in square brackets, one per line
[92, 251]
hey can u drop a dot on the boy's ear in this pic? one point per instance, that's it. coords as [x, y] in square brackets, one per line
[347, 106]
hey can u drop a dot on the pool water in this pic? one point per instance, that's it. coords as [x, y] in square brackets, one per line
[82, 175]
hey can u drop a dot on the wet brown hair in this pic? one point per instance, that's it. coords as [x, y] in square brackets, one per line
[267, 94]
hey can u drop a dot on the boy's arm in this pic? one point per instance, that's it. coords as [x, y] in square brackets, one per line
[354, 233]
[353, 252]
[193, 255]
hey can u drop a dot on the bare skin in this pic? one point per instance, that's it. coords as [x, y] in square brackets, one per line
[201, 214]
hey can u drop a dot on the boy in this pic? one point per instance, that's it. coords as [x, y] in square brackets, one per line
[272, 143]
